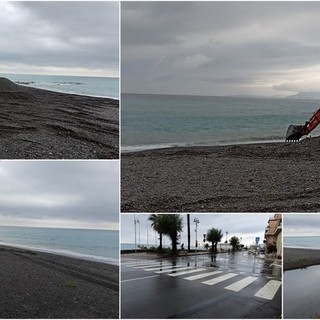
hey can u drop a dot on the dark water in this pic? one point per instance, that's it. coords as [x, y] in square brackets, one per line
[155, 121]
[301, 293]
[95, 245]
[89, 86]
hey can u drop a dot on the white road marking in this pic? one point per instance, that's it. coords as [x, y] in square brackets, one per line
[147, 266]
[142, 278]
[202, 275]
[140, 264]
[172, 269]
[185, 272]
[269, 290]
[166, 266]
[241, 284]
[213, 281]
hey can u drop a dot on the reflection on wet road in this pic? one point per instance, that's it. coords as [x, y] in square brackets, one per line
[210, 282]
[301, 293]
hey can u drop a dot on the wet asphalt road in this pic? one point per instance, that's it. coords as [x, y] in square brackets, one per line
[224, 286]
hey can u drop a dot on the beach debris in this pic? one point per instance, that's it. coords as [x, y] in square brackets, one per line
[295, 132]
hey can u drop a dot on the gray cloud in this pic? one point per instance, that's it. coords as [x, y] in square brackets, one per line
[246, 226]
[76, 193]
[60, 36]
[192, 45]
[301, 224]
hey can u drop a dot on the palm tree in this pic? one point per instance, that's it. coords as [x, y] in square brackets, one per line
[188, 222]
[156, 225]
[234, 241]
[167, 224]
[214, 236]
[172, 225]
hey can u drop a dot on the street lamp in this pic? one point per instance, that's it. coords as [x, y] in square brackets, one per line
[135, 233]
[227, 238]
[196, 221]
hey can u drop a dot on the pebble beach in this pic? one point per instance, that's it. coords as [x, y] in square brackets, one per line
[41, 285]
[265, 177]
[42, 124]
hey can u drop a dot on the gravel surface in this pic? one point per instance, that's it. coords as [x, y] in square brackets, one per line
[40, 285]
[40, 124]
[294, 258]
[270, 177]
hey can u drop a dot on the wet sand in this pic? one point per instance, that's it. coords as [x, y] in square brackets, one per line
[270, 177]
[40, 124]
[40, 285]
[299, 258]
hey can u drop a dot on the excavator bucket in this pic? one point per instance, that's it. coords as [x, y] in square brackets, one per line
[294, 133]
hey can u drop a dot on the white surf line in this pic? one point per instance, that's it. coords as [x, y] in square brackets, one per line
[167, 266]
[185, 272]
[213, 281]
[241, 284]
[142, 278]
[172, 270]
[202, 275]
[269, 290]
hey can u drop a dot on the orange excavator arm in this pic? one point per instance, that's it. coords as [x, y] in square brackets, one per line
[314, 121]
[295, 132]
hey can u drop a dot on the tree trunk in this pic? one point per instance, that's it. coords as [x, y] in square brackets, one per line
[160, 240]
[188, 219]
[174, 244]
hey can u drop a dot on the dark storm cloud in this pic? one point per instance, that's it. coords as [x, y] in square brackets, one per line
[60, 35]
[187, 43]
[77, 192]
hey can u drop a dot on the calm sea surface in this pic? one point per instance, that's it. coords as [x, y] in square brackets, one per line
[89, 86]
[156, 121]
[302, 242]
[95, 245]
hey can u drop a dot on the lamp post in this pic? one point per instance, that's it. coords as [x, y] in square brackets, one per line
[227, 239]
[135, 233]
[196, 221]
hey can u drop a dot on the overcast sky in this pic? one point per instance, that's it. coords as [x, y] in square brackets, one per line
[221, 48]
[296, 225]
[71, 194]
[245, 226]
[60, 38]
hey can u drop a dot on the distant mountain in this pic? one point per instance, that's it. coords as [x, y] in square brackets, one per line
[313, 95]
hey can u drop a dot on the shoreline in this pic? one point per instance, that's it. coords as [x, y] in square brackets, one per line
[262, 177]
[65, 253]
[43, 285]
[300, 258]
[43, 124]
[27, 86]
[151, 147]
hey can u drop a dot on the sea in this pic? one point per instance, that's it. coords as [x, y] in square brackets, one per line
[88, 86]
[151, 121]
[93, 245]
[309, 242]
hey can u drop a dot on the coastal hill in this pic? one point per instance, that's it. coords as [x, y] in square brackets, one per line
[312, 95]
[8, 86]
[10, 90]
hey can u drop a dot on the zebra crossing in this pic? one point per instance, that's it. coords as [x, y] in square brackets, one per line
[207, 277]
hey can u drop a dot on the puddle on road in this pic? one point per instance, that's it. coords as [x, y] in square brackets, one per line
[301, 299]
